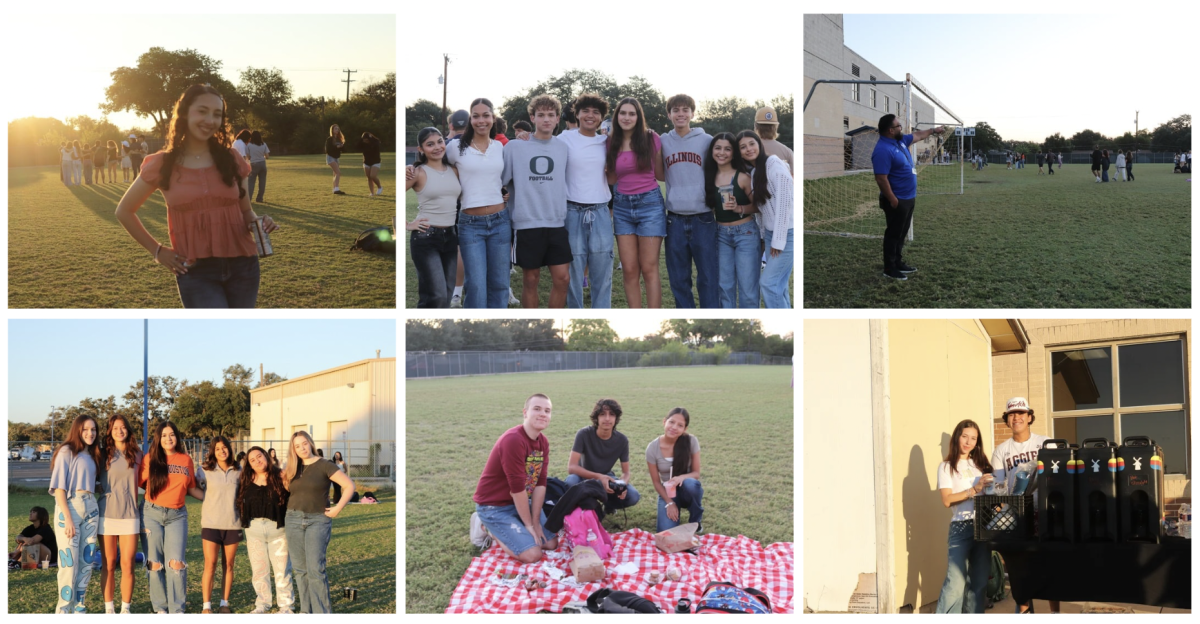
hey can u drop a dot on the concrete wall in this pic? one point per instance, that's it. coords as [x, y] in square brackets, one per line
[940, 374]
[839, 513]
[1026, 374]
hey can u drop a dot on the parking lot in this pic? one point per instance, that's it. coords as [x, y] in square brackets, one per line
[28, 473]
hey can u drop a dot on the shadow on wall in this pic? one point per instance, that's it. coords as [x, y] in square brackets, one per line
[926, 525]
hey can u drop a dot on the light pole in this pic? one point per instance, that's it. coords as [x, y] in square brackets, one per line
[444, 80]
[52, 410]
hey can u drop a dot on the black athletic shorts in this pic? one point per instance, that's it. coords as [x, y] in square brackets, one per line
[538, 247]
[225, 538]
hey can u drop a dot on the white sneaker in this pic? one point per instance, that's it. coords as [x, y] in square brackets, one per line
[260, 610]
[511, 299]
[479, 534]
[126, 611]
[456, 301]
[379, 191]
[108, 609]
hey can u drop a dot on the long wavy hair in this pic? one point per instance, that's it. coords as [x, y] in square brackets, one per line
[274, 481]
[133, 452]
[468, 135]
[75, 441]
[682, 463]
[159, 472]
[640, 142]
[294, 460]
[759, 166]
[210, 460]
[976, 455]
[711, 197]
[218, 144]
[340, 136]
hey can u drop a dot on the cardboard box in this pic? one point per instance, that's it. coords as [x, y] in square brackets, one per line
[586, 565]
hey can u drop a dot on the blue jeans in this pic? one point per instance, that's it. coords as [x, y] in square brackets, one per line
[590, 231]
[166, 542]
[486, 246]
[504, 523]
[307, 540]
[258, 171]
[967, 572]
[220, 283]
[774, 280]
[692, 238]
[643, 214]
[435, 256]
[631, 496]
[688, 495]
[738, 261]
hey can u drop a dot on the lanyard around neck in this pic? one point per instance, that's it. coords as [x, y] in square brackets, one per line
[907, 156]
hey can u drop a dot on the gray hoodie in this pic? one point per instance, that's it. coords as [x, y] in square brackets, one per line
[535, 172]
[683, 160]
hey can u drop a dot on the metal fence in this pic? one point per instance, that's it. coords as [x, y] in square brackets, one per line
[1085, 158]
[366, 460]
[418, 364]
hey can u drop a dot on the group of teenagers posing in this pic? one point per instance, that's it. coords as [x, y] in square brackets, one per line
[512, 488]
[86, 164]
[965, 474]
[558, 201]
[284, 516]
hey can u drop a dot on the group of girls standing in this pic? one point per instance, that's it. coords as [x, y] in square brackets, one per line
[83, 163]
[461, 208]
[284, 515]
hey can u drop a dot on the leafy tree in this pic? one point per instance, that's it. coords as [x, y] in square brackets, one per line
[206, 409]
[1174, 135]
[727, 114]
[152, 87]
[785, 108]
[534, 334]
[238, 375]
[89, 130]
[986, 138]
[270, 378]
[1087, 140]
[164, 391]
[565, 87]
[1056, 143]
[591, 335]
[422, 114]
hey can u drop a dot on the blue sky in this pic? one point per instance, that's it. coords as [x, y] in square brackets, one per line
[60, 362]
[310, 49]
[1030, 76]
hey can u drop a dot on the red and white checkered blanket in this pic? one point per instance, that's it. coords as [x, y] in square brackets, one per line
[738, 560]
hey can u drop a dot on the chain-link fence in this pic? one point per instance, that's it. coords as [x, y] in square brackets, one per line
[418, 364]
[1085, 158]
[372, 461]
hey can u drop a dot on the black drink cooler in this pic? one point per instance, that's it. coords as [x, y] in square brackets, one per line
[1057, 473]
[1140, 489]
[1097, 502]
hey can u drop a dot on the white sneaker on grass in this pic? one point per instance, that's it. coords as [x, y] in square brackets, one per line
[511, 299]
[456, 301]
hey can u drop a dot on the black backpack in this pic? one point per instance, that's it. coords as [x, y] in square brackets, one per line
[378, 239]
[609, 601]
[555, 488]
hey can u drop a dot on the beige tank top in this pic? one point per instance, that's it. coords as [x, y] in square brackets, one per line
[438, 199]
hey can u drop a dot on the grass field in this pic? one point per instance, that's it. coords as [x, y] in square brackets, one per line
[361, 555]
[1019, 240]
[742, 416]
[618, 292]
[67, 250]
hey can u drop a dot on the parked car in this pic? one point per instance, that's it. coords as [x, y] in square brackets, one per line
[46, 455]
[14, 452]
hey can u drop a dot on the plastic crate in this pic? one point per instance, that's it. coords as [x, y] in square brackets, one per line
[1003, 517]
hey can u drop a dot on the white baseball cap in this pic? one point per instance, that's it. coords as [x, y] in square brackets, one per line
[1016, 404]
[133, 136]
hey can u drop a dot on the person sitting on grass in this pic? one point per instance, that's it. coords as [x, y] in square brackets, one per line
[596, 451]
[38, 534]
[512, 487]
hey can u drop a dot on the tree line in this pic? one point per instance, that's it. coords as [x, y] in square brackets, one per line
[589, 335]
[202, 409]
[1170, 136]
[726, 114]
[262, 100]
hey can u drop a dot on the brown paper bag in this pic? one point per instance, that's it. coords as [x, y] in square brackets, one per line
[586, 564]
[678, 539]
[29, 557]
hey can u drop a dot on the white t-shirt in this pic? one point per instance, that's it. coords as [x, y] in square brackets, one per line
[966, 476]
[586, 183]
[1010, 454]
[240, 146]
[478, 173]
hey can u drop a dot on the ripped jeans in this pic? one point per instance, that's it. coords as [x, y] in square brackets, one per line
[268, 548]
[76, 554]
[504, 524]
[166, 541]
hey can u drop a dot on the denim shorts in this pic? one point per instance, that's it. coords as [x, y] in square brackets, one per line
[504, 524]
[644, 214]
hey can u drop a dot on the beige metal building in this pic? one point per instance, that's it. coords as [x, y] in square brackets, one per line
[349, 408]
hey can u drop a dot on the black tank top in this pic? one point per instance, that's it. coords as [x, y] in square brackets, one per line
[739, 196]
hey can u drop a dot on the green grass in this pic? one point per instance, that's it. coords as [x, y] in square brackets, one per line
[1019, 240]
[360, 555]
[618, 291]
[742, 416]
[67, 250]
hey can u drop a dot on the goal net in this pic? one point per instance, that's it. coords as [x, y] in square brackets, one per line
[846, 202]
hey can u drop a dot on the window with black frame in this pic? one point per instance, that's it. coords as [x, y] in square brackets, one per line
[1119, 390]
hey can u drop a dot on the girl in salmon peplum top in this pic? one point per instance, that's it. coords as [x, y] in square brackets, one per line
[209, 218]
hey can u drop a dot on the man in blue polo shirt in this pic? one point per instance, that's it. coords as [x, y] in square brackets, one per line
[896, 175]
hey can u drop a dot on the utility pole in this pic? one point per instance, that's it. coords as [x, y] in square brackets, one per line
[445, 83]
[1136, 115]
[348, 81]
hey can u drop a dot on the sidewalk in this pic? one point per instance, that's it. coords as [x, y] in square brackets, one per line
[1041, 606]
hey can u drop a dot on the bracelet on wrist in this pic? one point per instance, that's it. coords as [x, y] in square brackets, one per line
[156, 252]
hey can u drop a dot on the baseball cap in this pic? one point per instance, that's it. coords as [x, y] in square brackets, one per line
[459, 119]
[766, 115]
[1016, 404]
[133, 136]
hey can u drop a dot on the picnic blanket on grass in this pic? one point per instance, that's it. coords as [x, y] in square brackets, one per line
[738, 560]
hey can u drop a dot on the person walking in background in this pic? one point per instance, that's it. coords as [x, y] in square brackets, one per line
[72, 484]
[1120, 167]
[1041, 160]
[333, 151]
[309, 522]
[99, 161]
[76, 163]
[1129, 156]
[120, 519]
[1049, 162]
[220, 528]
[113, 156]
[261, 506]
[433, 243]
[964, 474]
[1104, 163]
[240, 141]
[370, 146]
[258, 152]
[139, 154]
[274, 457]
[1097, 156]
